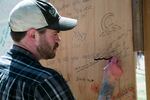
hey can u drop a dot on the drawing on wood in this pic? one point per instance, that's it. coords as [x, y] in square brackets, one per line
[102, 31]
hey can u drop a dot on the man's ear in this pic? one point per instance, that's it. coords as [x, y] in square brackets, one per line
[31, 33]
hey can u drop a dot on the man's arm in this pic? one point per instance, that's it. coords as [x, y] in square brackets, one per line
[106, 91]
[53, 88]
[112, 73]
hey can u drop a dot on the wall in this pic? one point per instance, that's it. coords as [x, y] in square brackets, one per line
[146, 21]
[104, 30]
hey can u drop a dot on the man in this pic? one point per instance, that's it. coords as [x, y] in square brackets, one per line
[34, 25]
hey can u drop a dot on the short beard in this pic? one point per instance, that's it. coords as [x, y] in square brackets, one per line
[46, 51]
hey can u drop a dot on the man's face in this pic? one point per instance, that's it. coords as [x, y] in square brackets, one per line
[48, 43]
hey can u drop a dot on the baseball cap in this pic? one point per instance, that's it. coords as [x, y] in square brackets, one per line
[38, 14]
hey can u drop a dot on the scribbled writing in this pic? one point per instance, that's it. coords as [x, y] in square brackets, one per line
[108, 25]
[127, 92]
[84, 79]
[80, 8]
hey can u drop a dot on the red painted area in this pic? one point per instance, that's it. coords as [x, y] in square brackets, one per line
[95, 87]
[128, 92]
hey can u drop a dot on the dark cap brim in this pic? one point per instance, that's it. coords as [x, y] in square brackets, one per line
[64, 24]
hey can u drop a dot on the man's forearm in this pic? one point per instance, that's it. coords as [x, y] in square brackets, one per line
[112, 73]
[106, 91]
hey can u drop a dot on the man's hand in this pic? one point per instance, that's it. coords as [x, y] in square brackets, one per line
[112, 73]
